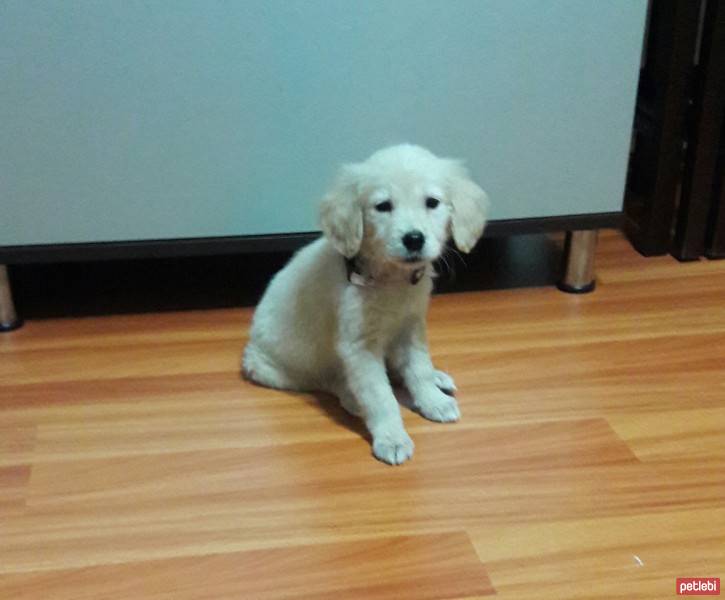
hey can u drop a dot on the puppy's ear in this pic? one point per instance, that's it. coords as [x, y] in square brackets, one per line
[341, 216]
[469, 204]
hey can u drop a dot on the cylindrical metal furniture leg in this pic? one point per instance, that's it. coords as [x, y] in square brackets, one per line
[8, 317]
[579, 251]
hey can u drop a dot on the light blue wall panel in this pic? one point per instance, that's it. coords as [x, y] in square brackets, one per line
[164, 119]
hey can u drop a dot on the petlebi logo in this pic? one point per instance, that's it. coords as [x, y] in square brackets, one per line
[698, 586]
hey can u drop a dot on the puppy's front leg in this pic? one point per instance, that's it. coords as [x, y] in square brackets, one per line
[368, 382]
[411, 360]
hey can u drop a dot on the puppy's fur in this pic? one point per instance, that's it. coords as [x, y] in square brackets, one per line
[319, 328]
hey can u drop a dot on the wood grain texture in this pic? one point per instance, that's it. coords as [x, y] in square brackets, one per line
[13, 483]
[590, 461]
[427, 567]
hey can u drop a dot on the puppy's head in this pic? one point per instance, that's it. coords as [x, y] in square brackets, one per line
[401, 205]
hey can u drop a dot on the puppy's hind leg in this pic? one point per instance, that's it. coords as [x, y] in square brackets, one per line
[444, 382]
[347, 399]
[426, 385]
[256, 367]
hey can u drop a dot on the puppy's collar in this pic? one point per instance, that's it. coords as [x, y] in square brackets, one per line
[356, 276]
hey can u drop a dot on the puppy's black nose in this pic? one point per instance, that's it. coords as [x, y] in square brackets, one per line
[414, 240]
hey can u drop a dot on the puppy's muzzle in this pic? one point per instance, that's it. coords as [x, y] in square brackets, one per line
[413, 240]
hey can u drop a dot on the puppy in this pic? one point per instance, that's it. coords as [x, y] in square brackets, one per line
[351, 306]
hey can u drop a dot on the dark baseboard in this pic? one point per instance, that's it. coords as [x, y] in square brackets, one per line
[187, 283]
[286, 242]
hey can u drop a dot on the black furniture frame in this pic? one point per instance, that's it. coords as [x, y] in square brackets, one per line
[674, 201]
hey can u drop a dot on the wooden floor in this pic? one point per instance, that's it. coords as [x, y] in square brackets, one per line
[590, 461]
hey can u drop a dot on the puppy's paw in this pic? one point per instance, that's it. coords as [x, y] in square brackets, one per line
[393, 447]
[444, 382]
[438, 406]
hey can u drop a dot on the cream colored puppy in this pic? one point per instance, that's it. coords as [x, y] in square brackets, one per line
[354, 302]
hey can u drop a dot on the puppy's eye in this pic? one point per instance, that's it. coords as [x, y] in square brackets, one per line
[432, 202]
[385, 206]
